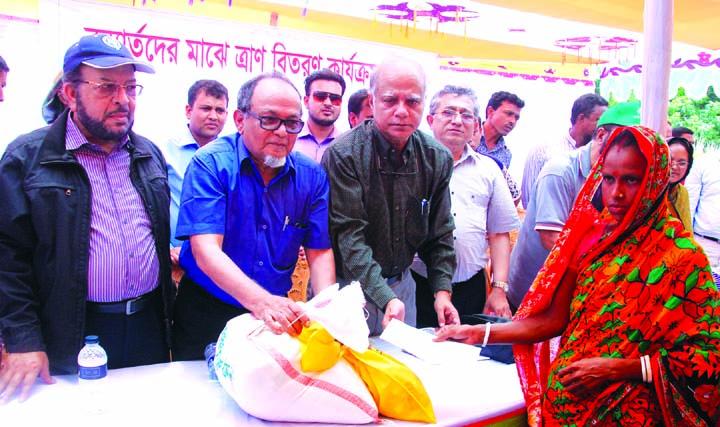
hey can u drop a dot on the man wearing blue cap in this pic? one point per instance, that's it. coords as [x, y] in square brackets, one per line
[4, 69]
[84, 228]
[551, 201]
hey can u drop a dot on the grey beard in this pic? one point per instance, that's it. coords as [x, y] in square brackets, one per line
[275, 162]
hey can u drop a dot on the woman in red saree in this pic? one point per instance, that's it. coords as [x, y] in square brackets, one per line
[633, 297]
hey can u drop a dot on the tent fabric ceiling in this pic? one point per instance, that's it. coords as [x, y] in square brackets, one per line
[492, 34]
[696, 22]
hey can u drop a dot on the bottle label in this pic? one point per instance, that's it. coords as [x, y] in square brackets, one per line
[92, 372]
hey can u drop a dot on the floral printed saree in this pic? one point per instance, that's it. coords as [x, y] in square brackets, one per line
[644, 289]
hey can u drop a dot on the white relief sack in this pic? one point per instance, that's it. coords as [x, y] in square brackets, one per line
[261, 370]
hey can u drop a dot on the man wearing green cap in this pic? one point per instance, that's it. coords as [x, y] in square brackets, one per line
[553, 197]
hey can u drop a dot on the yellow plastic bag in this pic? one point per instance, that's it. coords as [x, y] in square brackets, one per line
[319, 350]
[397, 391]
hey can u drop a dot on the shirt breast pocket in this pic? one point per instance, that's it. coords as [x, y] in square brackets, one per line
[291, 238]
[417, 218]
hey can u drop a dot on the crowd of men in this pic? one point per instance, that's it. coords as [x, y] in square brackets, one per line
[155, 247]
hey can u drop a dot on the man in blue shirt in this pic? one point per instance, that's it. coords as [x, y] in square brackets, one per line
[248, 204]
[503, 113]
[206, 112]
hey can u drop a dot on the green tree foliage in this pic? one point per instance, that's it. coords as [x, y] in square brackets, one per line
[700, 115]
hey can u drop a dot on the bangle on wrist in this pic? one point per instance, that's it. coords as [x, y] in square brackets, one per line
[644, 369]
[487, 334]
[648, 368]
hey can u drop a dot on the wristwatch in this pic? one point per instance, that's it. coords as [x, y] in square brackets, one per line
[499, 285]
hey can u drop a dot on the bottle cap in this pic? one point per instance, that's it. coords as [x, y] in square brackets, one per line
[92, 339]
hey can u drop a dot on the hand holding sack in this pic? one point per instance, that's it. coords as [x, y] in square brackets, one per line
[327, 374]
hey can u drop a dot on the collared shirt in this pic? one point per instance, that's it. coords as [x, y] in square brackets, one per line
[123, 262]
[307, 144]
[703, 186]
[481, 204]
[178, 151]
[263, 226]
[500, 151]
[536, 160]
[373, 239]
[552, 200]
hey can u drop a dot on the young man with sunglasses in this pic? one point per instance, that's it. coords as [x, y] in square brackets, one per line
[390, 200]
[248, 204]
[84, 220]
[324, 90]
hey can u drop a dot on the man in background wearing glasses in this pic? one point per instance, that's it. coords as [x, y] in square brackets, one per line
[390, 200]
[482, 208]
[248, 204]
[324, 90]
[84, 221]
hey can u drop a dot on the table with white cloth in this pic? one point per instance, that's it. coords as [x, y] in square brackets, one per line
[180, 393]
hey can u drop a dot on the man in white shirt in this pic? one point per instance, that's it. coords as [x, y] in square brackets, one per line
[586, 112]
[703, 185]
[324, 90]
[206, 112]
[481, 204]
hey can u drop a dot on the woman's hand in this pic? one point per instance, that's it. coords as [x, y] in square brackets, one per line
[467, 334]
[587, 375]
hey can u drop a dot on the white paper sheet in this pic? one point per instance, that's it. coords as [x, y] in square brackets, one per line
[421, 345]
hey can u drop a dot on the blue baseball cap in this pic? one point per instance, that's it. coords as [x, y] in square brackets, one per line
[101, 51]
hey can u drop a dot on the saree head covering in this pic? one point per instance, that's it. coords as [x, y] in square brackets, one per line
[645, 288]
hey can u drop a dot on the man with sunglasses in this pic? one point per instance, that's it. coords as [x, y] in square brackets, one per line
[248, 204]
[390, 200]
[324, 90]
[84, 221]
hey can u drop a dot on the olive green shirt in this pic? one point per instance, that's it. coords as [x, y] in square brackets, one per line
[382, 214]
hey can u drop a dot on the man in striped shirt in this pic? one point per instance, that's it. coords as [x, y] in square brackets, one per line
[84, 228]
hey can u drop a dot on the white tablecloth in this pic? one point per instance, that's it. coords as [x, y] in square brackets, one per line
[180, 394]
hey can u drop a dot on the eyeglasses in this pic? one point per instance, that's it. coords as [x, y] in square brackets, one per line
[320, 96]
[393, 173]
[111, 89]
[678, 163]
[272, 123]
[464, 116]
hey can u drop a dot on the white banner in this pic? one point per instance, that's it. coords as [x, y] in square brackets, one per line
[183, 49]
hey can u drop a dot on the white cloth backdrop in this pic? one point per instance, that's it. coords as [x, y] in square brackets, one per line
[185, 48]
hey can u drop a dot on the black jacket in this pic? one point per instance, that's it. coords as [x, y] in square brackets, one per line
[45, 207]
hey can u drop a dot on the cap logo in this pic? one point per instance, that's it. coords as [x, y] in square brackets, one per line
[111, 42]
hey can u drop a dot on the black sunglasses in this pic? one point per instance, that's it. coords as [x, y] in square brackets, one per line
[321, 96]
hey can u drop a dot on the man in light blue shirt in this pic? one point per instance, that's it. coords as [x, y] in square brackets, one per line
[206, 112]
[503, 113]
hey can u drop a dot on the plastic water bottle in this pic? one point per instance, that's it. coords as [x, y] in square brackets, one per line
[210, 360]
[92, 373]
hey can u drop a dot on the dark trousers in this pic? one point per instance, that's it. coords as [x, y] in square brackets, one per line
[199, 320]
[134, 340]
[468, 297]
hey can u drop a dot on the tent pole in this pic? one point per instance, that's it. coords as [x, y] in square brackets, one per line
[658, 19]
